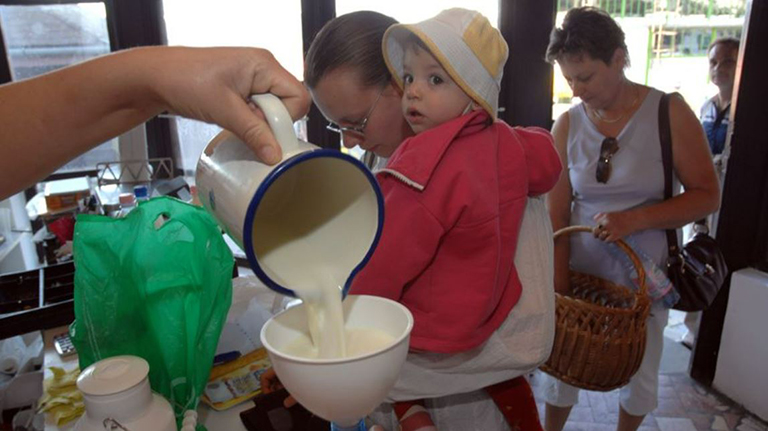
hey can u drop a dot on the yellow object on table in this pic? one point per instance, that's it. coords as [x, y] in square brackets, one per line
[61, 398]
[235, 382]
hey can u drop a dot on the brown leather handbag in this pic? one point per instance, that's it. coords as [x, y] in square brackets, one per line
[699, 269]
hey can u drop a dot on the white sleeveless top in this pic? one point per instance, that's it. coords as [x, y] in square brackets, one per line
[636, 180]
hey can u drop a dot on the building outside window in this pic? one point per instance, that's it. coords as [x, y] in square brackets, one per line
[230, 23]
[43, 38]
[667, 43]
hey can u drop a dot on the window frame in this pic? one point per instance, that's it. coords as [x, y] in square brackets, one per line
[121, 19]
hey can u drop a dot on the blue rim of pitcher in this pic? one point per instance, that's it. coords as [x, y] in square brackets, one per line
[272, 177]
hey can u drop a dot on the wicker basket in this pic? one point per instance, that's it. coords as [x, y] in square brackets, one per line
[600, 328]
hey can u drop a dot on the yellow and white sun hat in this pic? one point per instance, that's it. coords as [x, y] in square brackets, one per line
[465, 43]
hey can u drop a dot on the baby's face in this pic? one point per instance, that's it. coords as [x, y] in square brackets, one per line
[430, 96]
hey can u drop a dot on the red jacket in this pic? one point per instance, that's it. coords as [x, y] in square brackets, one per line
[454, 197]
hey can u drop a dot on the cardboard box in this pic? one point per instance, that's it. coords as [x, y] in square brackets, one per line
[67, 193]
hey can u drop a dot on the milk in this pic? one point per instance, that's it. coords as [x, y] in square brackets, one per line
[359, 341]
[328, 338]
[325, 318]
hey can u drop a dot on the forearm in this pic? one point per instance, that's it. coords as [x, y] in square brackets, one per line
[682, 209]
[47, 121]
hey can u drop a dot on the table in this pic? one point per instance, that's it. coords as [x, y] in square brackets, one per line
[228, 420]
[244, 289]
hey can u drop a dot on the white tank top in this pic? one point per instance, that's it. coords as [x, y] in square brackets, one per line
[636, 180]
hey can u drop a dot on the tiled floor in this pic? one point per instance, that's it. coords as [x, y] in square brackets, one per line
[684, 405]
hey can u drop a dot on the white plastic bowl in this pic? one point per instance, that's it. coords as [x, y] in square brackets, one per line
[341, 390]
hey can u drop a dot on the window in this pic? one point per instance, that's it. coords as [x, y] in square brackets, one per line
[667, 43]
[408, 11]
[42, 38]
[231, 23]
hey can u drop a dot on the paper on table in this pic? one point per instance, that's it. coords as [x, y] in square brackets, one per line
[61, 399]
[12, 353]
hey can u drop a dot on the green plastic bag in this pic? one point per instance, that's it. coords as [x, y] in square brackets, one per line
[155, 284]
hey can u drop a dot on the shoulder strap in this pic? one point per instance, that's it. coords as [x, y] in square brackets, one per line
[665, 138]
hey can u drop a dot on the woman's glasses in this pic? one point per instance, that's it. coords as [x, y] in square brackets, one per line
[358, 131]
[607, 150]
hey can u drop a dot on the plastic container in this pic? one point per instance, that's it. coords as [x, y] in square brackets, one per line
[141, 193]
[127, 203]
[116, 393]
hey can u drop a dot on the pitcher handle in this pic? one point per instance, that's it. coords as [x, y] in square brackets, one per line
[279, 120]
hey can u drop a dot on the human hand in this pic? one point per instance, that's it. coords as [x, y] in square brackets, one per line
[611, 227]
[213, 85]
[271, 383]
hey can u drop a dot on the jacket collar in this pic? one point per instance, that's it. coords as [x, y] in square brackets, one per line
[418, 156]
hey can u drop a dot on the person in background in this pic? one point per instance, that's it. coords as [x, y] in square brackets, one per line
[50, 119]
[351, 85]
[615, 180]
[454, 194]
[723, 54]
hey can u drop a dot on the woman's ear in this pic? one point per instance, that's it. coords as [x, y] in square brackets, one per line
[620, 59]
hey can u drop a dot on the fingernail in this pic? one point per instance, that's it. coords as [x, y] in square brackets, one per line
[267, 154]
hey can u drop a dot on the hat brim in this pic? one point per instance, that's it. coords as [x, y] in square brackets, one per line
[393, 48]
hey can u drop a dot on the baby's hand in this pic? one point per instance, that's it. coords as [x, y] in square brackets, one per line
[270, 383]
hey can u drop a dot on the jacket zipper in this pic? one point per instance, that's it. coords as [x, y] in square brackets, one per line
[402, 178]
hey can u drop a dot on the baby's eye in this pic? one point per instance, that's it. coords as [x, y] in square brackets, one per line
[435, 80]
[408, 78]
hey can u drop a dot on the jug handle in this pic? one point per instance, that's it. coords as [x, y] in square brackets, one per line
[279, 120]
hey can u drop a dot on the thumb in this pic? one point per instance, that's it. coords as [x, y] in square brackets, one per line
[289, 402]
[250, 126]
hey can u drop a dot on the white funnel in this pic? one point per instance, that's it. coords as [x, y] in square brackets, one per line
[344, 390]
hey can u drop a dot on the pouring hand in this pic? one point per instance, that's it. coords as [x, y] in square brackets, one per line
[213, 85]
[84, 105]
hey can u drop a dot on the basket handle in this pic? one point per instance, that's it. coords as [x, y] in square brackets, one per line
[621, 244]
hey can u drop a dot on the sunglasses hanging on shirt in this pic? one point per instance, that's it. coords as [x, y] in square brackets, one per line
[608, 148]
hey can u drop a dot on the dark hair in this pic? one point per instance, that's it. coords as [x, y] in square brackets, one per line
[353, 39]
[586, 30]
[728, 41]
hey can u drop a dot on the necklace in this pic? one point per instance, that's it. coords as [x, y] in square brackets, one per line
[614, 120]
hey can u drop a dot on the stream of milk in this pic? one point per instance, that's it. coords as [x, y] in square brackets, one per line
[328, 337]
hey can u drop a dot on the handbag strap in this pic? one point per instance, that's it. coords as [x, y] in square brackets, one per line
[665, 138]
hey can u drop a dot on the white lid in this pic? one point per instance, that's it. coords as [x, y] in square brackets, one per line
[68, 186]
[112, 375]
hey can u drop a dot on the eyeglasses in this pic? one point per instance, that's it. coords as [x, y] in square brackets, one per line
[608, 148]
[357, 131]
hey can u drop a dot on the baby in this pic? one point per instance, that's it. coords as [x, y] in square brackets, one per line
[455, 193]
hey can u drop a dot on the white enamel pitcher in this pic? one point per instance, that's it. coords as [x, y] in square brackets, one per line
[315, 211]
